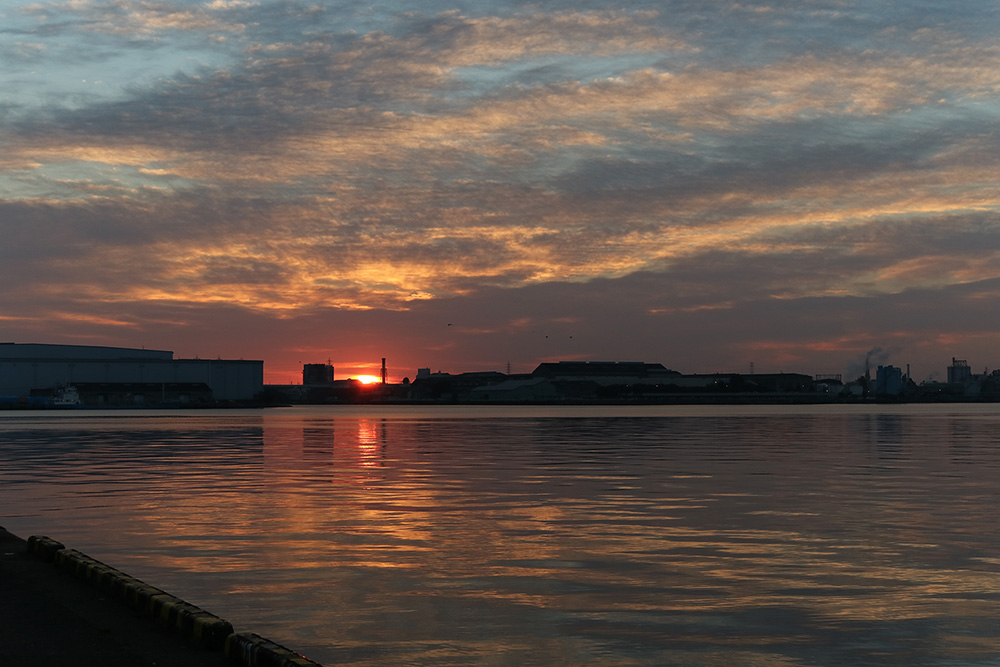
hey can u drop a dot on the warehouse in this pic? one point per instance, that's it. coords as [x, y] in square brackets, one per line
[28, 369]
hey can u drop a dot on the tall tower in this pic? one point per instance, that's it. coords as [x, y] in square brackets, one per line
[385, 373]
[317, 374]
[959, 371]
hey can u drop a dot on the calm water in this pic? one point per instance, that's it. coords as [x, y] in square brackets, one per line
[511, 536]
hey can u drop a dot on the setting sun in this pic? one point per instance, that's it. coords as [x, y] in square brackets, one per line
[367, 379]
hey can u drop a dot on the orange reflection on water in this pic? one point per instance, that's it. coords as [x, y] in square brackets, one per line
[371, 442]
[803, 539]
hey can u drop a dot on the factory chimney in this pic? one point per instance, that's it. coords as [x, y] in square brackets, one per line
[385, 374]
[868, 372]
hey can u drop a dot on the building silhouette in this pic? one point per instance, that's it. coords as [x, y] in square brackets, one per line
[114, 376]
[889, 381]
[317, 374]
[959, 371]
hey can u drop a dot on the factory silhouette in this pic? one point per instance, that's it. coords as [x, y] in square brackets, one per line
[38, 375]
[610, 382]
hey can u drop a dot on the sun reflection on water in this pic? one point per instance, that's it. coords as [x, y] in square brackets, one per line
[361, 539]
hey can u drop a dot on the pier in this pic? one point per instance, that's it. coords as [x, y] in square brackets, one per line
[60, 607]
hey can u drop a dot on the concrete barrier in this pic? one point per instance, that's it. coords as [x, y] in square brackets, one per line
[252, 650]
[198, 625]
[190, 621]
[44, 547]
[207, 629]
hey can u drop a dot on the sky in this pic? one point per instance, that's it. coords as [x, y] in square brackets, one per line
[784, 186]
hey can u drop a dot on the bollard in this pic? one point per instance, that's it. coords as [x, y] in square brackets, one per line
[44, 547]
[193, 622]
[249, 649]
[206, 629]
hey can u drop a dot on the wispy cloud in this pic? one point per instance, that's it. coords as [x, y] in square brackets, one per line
[284, 158]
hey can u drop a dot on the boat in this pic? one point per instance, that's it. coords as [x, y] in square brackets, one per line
[66, 397]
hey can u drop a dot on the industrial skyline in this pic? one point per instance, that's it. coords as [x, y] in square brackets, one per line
[796, 186]
[45, 375]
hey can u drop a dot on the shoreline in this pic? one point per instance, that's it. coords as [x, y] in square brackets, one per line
[62, 607]
[681, 399]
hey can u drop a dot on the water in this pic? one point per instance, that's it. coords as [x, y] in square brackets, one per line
[825, 535]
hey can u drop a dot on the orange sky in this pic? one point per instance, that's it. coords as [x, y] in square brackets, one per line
[469, 185]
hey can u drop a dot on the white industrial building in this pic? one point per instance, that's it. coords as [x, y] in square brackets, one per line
[27, 368]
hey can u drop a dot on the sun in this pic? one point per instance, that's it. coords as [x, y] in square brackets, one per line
[367, 379]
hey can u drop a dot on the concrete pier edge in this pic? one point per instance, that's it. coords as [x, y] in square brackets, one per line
[243, 649]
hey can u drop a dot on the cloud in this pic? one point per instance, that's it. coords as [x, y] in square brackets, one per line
[653, 164]
[134, 20]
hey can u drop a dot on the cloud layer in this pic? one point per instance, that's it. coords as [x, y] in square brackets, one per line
[788, 183]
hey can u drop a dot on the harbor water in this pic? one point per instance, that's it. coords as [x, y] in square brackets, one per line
[704, 535]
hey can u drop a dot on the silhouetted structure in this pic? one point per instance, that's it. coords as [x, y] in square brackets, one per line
[889, 381]
[112, 373]
[132, 394]
[959, 371]
[629, 370]
[448, 388]
[610, 382]
[317, 374]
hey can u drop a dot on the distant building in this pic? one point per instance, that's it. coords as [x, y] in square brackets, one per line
[317, 374]
[28, 369]
[959, 371]
[889, 381]
[831, 384]
[516, 391]
[756, 383]
[447, 387]
[604, 372]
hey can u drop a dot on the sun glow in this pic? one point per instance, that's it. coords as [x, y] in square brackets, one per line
[367, 379]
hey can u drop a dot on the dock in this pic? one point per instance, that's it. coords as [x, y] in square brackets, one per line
[60, 607]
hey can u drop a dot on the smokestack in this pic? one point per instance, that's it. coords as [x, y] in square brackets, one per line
[868, 372]
[385, 374]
